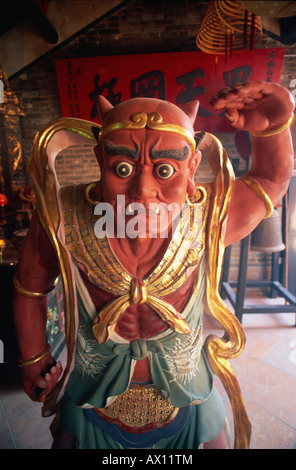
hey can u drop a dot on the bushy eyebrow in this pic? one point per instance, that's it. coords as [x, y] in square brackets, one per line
[121, 150]
[175, 154]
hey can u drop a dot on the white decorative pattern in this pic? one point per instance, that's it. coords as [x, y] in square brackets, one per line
[87, 361]
[183, 357]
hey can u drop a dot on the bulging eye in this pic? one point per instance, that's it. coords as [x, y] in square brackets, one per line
[124, 169]
[164, 171]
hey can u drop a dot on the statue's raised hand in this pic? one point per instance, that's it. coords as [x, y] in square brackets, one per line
[255, 106]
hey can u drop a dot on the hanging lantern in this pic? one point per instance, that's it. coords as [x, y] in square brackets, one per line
[267, 236]
[226, 27]
[3, 199]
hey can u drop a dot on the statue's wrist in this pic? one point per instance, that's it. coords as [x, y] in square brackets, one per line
[273, 130]
[36, 358]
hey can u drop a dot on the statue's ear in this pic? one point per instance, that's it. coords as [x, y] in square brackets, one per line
[103, 106]
[191, 110]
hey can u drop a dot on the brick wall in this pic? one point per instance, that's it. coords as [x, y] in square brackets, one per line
[139, 27]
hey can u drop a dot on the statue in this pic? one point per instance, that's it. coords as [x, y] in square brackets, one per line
[138, 374]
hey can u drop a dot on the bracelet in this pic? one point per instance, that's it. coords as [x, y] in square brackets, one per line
[36, 358]
[274, 129]
[20, 290]
[259, 191]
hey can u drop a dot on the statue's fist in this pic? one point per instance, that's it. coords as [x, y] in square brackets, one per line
[255, 106]
[40, 378]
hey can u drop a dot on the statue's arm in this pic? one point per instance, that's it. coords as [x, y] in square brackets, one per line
[37, 271]
[259, 107]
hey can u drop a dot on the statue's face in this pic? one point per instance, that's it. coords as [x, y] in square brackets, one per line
[146, 166]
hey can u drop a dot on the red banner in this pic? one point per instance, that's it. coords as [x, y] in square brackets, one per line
[178, 77]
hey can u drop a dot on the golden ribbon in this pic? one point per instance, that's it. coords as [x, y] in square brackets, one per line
[105, 322]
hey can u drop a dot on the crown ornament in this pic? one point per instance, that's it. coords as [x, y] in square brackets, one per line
[152, 121]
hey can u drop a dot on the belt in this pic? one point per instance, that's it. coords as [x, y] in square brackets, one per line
[139, 409]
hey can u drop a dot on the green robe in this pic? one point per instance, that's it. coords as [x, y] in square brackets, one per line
[179, 369]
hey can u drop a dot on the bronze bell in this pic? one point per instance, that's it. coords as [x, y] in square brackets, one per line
[267, 236]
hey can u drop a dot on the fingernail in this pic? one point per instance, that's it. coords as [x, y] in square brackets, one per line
[230, 118]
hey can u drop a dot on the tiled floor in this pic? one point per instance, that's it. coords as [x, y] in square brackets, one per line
[266, 371]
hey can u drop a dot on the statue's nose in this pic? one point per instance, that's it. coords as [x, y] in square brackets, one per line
[144, 184]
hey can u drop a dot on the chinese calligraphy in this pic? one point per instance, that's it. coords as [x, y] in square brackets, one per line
[270, 65]
[150, 84]
[237, 75]
[189, 92]
[114, 98]
[72, 92]
[177, 77]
